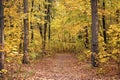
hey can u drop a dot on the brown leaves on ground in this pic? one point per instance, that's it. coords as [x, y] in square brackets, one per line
[64, 67]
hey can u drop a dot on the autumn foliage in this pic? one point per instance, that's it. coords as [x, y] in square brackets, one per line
[59, 26]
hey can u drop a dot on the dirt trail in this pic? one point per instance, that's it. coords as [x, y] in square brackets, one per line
[62, 67]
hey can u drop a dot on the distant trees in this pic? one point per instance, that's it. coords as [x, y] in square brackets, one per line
[94, 29]
[1, 37]
[47, 25]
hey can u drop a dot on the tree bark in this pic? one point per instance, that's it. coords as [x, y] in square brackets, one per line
[40, 25]
[117, 16]
[31, 24]
[104, 23]
[49, 20]
[86, 38]
[26, 33]
[117, 21]
[41, 30]
[45, 28]
[94, 29]
[1, 37]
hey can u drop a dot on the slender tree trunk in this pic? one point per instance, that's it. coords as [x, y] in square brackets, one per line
[49, 23]
[45, 28]
[86, 38]
[44, 37]
[40, 25]
[94, 28]
[117, 16]
[49, 20]
[1, 37]
[31, 25]
[21, 34]
[32, 33]
[104, 23]
[117, 21]
[41, 31]
[26, 33]
[21, 43]
[86, 30]
[41, 34]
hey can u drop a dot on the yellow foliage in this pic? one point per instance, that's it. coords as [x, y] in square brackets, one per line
[4, 71]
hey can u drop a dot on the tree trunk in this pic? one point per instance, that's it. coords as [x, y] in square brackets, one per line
[117, 21]
[21, 43]
[44, 37]
[104, 23]
[1, 37]
[45, 28]
[40, 30]
[49, 21]
[94, 29]
[117, 16]
[26, 32]
[31, 24]
[86, 38]
[32, 33]
[40, 25]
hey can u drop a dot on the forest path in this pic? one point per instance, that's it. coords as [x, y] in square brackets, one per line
[61, 67]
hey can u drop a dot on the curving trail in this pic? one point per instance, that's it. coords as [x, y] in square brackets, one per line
[62, 67]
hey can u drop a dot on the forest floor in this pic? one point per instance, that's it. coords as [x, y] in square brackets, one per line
[64, 67]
